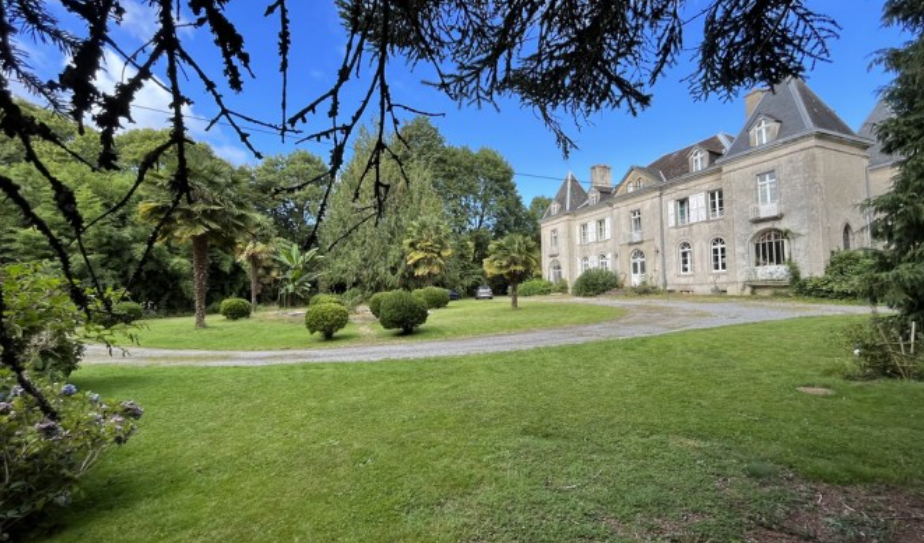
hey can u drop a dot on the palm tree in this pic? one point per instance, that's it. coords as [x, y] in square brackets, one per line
[515, 257]
[255, 251]
[215, 213]
[297, 274]
[427, 247]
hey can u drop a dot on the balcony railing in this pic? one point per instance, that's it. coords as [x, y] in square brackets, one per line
[763, 212]
[769, 274]
[634, 236]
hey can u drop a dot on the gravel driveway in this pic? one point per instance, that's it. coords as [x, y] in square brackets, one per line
[644, 317]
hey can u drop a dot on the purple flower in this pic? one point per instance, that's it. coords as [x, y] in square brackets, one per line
[131, 409]
[94, 398]
[69, 390]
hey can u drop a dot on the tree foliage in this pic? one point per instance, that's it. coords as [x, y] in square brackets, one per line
[515, 258]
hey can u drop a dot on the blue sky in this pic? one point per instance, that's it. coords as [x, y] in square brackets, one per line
[675, 120]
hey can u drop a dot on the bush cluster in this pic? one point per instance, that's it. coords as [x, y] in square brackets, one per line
[881, 347]
[844, 277]
[43, 459]
[594, 282]
[320, 299]
[535, 287]
[433, 297]
[235, 308]
[213, 308]
[401, 310]
[128, 312]
[326, 318]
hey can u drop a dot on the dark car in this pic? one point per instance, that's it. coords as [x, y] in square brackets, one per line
[454, 294]
[484, 293]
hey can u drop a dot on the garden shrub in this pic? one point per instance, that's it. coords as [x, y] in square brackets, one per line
[42, 459]
[535, 287]
[594, 282]
[352, 298]
[320, 299]
[644, 289]
[882, 347]
[326, 318]
[560, 286]
[128, 312]
[433, 297]
[235, 308]
[844, 277]
[213, 308]
[375, 302]
[402, 310]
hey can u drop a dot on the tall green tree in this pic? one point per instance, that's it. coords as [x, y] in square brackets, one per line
[898, 279]
[216, 213]
[288, 189]
[255, 250]
[515, 257]
[428, 247]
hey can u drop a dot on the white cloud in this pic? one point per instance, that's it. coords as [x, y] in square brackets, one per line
[233, 154]
[140, 21]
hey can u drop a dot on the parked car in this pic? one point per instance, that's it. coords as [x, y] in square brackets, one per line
[454, 294]
[484, 293]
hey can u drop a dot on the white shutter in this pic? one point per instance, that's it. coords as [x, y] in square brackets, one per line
[698, 207]
[592, 231]
[606, 223]
[593, 262]
[671, 208]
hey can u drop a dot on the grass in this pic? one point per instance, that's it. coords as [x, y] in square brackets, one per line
[613, 441]
[271, 330]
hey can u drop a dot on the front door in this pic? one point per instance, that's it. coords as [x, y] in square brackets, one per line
[638, 268]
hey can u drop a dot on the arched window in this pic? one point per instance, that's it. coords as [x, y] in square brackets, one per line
[686, 258]
[697, 160]
[638, 267]
[554, 271]
[585, 264]
[770, 248]
[848, 237]
[718, 255]
[603, 262]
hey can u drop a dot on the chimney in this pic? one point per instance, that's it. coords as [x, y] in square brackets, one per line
[751, 100]
[601, 176]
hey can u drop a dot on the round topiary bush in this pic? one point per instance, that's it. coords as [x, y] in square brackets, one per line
[326, 318]
[375, 302]
[535, 287]
[128, 312]
[433, 297]
[594, 282]
[320, 299]
[235, 308]
[402, 310]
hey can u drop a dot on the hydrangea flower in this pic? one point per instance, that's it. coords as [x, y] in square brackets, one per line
[48, 428]
[94, 398]
[69, 390]
[131, 409]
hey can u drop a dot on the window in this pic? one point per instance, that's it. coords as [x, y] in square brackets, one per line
[603, 229]
[638, 267]
[635, 221]
[603, 262]
[553, 240]
[716, 204]
[585, 264]
[770, 249]
[686, 258]
[697, 160]
[554, 271]
[635, 185]
[767, 189]
[554, 208]
[593, 197]
[683, 211]
[848, 237]
[718, 255]
[762, 132]
[585, 236]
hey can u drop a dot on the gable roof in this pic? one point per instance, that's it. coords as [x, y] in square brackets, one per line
[798, 110]
[569, 197]
[675, 164]
[881, 111]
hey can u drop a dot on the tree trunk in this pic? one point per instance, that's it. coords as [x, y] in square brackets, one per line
[200, 250]
[254, 281]
[513, 294]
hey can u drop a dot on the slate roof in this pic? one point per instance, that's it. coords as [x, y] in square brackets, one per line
[879, 113]
[570, 196]
[675, 164]
[799, 111]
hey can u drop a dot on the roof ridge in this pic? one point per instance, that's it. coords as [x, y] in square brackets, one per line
[800, 103]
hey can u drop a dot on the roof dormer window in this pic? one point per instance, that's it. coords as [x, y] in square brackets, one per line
[698, 160]
[764, 132]
[593, 197]
[554, 208]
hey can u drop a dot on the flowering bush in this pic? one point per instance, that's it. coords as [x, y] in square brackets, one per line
[326, 318]
[42, 459]
[235, 308]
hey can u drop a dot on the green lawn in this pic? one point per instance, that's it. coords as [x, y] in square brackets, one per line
[275, 330]
[692, 433]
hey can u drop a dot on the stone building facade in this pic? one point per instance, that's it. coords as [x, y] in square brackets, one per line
[726, 214]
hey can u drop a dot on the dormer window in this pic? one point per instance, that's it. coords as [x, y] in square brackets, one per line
[554, 208]
[764, 132]
[697, 160]
[593, 197]
[634, 185]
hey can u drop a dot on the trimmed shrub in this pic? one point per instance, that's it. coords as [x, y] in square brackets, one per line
[235, 308]
[402, 310]
[433, 297]
[128, 312]
[560, 286]
[844, 277]
[535, 287]
[43, 459]
[326, 318]
[375, 302]
[320, 299]
[595, 282]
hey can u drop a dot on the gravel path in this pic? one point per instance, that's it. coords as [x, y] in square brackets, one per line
[644, 317]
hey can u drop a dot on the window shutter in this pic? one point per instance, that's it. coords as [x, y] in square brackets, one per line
[606, 223]
[592, 231]
[698, 207]
[671, 208]
[593, 262]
